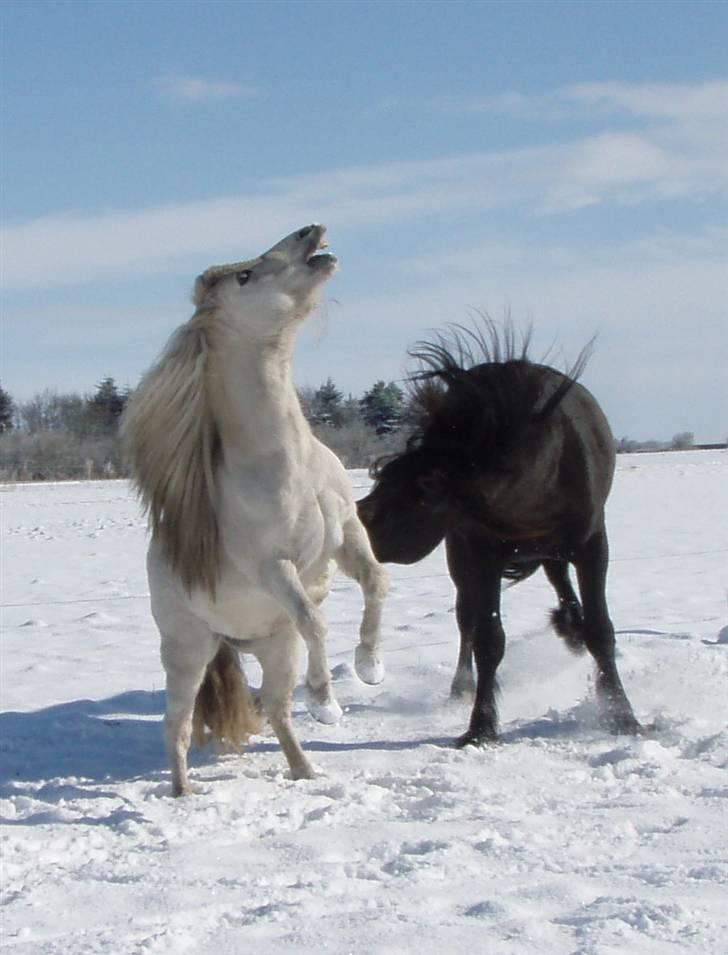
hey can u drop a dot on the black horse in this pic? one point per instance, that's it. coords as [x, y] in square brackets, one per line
[511, 462]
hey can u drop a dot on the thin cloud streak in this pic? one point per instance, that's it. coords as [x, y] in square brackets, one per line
[671, 101]
[661, 248]
[197, 89]
[654, 101]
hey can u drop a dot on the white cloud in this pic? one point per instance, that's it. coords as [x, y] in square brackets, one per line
[674, 140]
[63, 250]
[68, 250]
[679, 152]
[657, 305]
[658, 301]
[196, 89]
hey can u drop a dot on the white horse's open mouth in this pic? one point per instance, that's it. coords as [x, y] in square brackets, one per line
[314, 258]
[323, 261]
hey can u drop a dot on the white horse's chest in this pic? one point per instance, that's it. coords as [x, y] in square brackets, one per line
[308, 537]
[285, 512]
[274, 506]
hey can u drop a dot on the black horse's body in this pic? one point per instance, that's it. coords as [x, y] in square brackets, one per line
[511, 464]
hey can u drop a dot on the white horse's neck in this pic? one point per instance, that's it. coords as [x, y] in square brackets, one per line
[256, 406]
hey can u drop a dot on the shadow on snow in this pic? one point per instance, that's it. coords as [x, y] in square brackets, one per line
[117, 738]
[120, 738]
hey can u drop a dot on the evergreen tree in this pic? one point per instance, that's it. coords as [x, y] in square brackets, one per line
[350, 412]
[7, 410]
[383, 406]
[327, 407]
[106, 406]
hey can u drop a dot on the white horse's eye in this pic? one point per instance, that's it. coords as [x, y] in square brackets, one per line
[243, 277]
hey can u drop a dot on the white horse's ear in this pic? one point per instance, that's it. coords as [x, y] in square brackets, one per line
[198, 291]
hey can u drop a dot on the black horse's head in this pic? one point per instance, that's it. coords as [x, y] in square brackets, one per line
[403, 513]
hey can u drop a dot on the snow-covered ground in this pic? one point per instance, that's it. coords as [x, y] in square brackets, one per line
[559, 841]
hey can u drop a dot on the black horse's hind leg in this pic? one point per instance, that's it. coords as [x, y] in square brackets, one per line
[463, 682]
[476, 573]
[591, 569]
[567, 619]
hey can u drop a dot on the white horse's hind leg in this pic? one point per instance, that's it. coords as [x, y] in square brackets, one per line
[185, 655]
[278, 656]
[356, 559]
[283, 582]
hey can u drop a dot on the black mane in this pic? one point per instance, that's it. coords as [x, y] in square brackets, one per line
[451, 360]
[477, 389]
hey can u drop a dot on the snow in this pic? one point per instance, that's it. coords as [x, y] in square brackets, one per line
[560, 840]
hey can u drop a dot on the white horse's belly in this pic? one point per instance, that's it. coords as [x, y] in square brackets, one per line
[242, 613]
[241, 608]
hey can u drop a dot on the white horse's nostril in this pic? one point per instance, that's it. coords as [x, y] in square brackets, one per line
[302, 233]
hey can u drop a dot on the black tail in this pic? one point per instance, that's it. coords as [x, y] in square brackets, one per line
[568, 623]
[517, 572]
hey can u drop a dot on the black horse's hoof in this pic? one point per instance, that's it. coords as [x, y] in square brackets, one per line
[461, 692]
[475, 739]
[625, 726]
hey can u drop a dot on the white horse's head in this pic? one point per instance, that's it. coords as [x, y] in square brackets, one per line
[278, 288]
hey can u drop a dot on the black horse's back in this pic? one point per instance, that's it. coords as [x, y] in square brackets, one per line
[520, 448]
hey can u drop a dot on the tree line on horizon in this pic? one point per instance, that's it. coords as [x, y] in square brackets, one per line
[56, 435]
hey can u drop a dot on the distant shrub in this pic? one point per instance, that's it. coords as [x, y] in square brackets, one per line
[357, 445]
[59, 456]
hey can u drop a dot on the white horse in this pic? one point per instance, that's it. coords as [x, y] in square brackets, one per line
[249, 512]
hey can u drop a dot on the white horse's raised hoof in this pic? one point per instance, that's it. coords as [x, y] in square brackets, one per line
[368, 665]
[328, 712]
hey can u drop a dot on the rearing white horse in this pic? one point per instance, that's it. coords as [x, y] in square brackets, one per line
[249, 512]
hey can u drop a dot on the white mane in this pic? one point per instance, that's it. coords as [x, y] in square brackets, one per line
[173, 440]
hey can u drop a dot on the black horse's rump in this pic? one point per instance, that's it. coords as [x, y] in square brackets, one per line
[511, 463]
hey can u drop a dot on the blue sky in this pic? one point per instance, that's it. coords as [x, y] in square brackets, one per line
[565, 161]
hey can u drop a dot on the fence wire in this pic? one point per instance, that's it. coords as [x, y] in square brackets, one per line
[393, 579]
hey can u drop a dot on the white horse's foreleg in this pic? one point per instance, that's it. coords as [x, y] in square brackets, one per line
[185, 655]
[356, 559]
[278, 658]
[282, 581]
